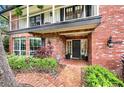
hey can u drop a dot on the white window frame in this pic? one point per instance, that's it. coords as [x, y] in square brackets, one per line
[20, 51]
[70, 40]
[38, 38]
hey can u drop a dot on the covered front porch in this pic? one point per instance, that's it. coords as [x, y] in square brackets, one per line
[70, 40]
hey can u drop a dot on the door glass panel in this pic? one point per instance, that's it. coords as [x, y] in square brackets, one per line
[84, 47]
[76, 48]
[69, 47]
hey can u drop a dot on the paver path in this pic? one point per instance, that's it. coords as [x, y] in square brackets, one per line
[70, 76]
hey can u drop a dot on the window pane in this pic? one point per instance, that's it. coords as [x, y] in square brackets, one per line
[78, 11]
[19, 46]
[35, 20]
[23, 52]
[88, 10]
[16, 52]
[35, 43]
[23, 44]
[16, 44]
[38, 20]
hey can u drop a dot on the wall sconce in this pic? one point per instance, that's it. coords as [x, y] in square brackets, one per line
[110, 42]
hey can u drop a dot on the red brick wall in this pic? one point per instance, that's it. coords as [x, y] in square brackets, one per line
[112, 24]
[58, 44]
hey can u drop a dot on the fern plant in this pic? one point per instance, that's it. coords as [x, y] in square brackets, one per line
[18, 11]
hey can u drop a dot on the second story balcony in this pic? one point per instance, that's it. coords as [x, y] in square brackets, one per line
[33, 17]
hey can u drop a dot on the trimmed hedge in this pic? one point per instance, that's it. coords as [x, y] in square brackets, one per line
[23, 63]
[96, 76]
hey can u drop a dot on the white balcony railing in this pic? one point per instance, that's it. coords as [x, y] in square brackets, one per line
[53, 15]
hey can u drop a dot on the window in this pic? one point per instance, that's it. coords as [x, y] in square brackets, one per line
[77, 11]
[69, 13]
[36, 43]
[20, 46]
[88, 10]
[37, 20]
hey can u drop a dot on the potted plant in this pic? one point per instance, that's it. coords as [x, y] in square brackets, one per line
[18, 11]
[40, 6]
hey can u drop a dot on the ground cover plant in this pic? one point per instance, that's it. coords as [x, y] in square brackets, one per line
[97, 76]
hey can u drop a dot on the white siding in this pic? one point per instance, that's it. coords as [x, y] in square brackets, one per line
[22, 23]
[57, 15]
[47, 18]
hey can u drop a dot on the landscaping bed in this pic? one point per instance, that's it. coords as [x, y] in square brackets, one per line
[97, 76]
[27, 64]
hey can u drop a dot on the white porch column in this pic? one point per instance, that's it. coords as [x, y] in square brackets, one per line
[53, 13]
[84, 12]
[64, 13]
[97, 9]
[27, 16]
[10, 20]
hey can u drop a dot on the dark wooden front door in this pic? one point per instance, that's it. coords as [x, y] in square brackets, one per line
[76, 48]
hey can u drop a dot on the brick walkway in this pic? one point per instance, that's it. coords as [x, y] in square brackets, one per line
[70, 76]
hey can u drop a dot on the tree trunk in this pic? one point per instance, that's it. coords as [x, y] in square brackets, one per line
[7, 78]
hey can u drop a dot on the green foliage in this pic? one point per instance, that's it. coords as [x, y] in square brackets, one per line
[3, 25]
[18, 11]
[22, 63]
[17, 62]
[44, 64]
[6, 43]
[96, 76]
[40, 6]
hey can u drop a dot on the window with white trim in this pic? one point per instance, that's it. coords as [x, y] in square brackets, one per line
[19, 46]
[35, 43]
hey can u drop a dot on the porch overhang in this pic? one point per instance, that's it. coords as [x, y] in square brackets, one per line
[71, 25]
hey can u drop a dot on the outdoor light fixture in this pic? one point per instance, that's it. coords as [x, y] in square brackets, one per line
[110, 42]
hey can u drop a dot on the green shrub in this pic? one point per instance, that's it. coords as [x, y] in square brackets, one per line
[96, 76]
[17, 62]
[43, 64]
[22, 63]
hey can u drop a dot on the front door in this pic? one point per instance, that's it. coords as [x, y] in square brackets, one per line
[76, 48]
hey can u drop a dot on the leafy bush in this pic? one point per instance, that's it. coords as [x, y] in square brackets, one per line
[43, 64]
[18, 11]
[96, 76]
[22, 63]
[17, 62]
[44, 52]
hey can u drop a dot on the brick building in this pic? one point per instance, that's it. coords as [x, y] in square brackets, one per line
[81, 32]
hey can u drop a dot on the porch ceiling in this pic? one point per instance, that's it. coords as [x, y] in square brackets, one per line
[76, 33]
[68, 29]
